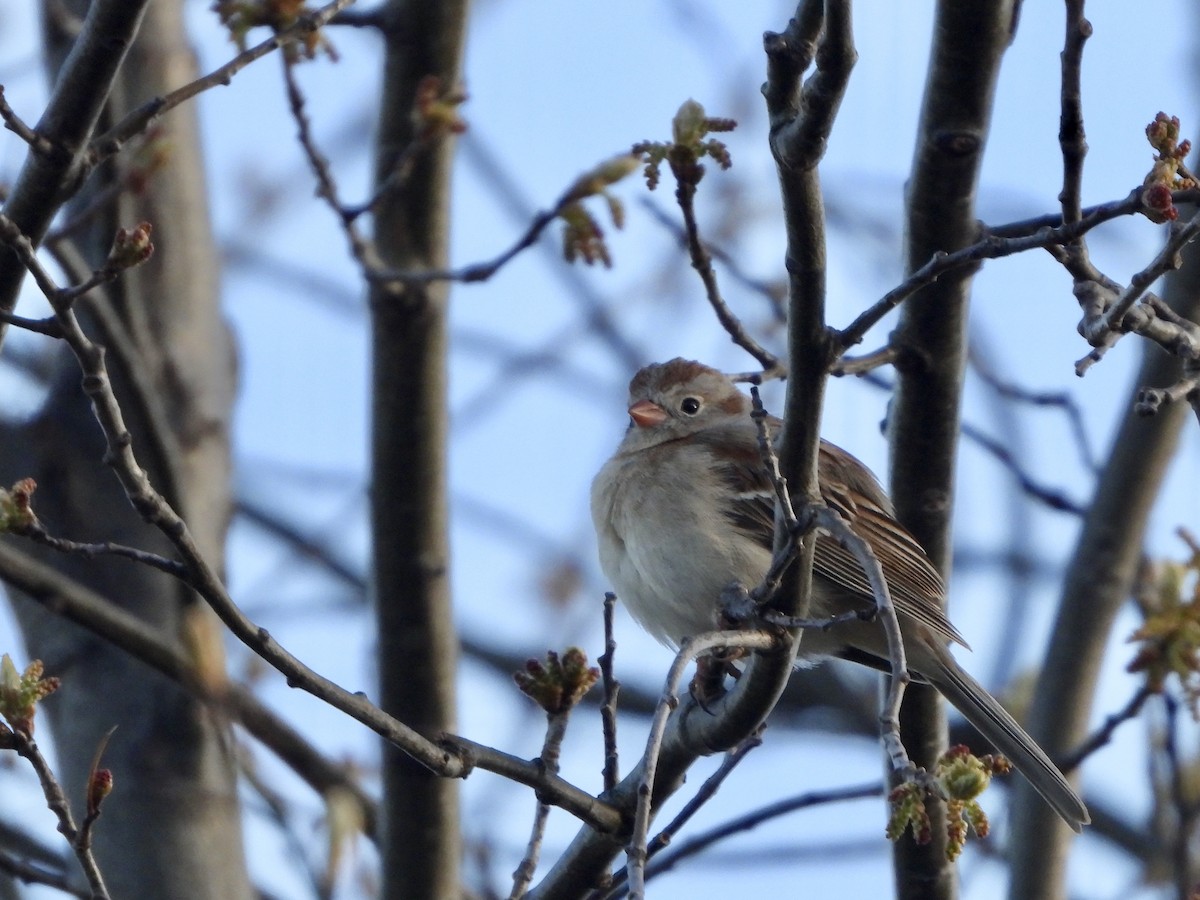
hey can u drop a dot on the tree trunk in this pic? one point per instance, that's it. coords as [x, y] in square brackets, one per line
[421, 846]
[931, 343]
[172, 826]
[1097, 584]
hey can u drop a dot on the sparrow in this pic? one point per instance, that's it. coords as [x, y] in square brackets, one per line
[685, 507]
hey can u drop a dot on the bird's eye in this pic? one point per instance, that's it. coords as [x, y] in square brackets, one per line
[690, 405]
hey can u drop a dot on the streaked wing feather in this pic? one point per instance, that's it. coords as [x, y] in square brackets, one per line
[915, 585]
[848, 487]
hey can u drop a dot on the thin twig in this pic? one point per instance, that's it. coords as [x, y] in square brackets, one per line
[1109, 309]
[1104, 733]
[1095, 330]
[362, 249]
[402, 167]
[140, 119]
[453, 757]
[787, 551]
[482, 271]
[462, 755]
[1092, 215]
[556, 729]
[992, 246]
[818, 515]
[612, 687]
[691, 648]
[523, 876]
[754, 818]
[67, 598]
[867, 362]
[20, 870]
[17, 126]
[1059, 399]
[1071, 136]
[38, 534]
[1000, 450]
[829, 521]
[706, 792]
[48, 326]
[771, 291]
[685, 194]
[56, 800]
[140, 385]
[1052, 497]
[98, 201]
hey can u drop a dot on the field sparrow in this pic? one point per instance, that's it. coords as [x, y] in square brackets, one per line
[684, 508]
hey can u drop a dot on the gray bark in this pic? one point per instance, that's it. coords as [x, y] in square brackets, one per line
[931, 343]
[1098, 582]
[171, 827]
[421, 845]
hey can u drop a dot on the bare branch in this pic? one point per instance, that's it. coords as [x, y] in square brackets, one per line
[1006, 240]
[1000, 450]
[1107, 315]
[839, 529]
[612, 687]
[37, 143]
[65, 597]
[754, 818]
[56, 800]
[48, 327]
[468, 754]
[38, 534]
[361, 248]
[690, 649]
[701, 259]
[20, 870]
[767, 289]
[706, 792]
[205, 581]
[138, 121]
[1106, 731]
[481, 271]
[80, 91]
[1071, 136]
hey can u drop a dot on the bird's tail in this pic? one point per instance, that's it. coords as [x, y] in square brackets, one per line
[992, 721]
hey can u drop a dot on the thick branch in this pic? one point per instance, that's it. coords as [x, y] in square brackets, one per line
[48, 178]
[77, 603]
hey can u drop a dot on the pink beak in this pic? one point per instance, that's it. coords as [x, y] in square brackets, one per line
[646, 414]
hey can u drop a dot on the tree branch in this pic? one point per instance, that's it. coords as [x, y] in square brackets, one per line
[48, 178]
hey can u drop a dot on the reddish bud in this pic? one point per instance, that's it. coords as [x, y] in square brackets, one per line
[100, 785]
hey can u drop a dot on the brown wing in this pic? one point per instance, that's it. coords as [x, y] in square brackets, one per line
[915, 584]
[848, 487]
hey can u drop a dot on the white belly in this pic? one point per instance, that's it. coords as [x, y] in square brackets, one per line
[668, 556]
